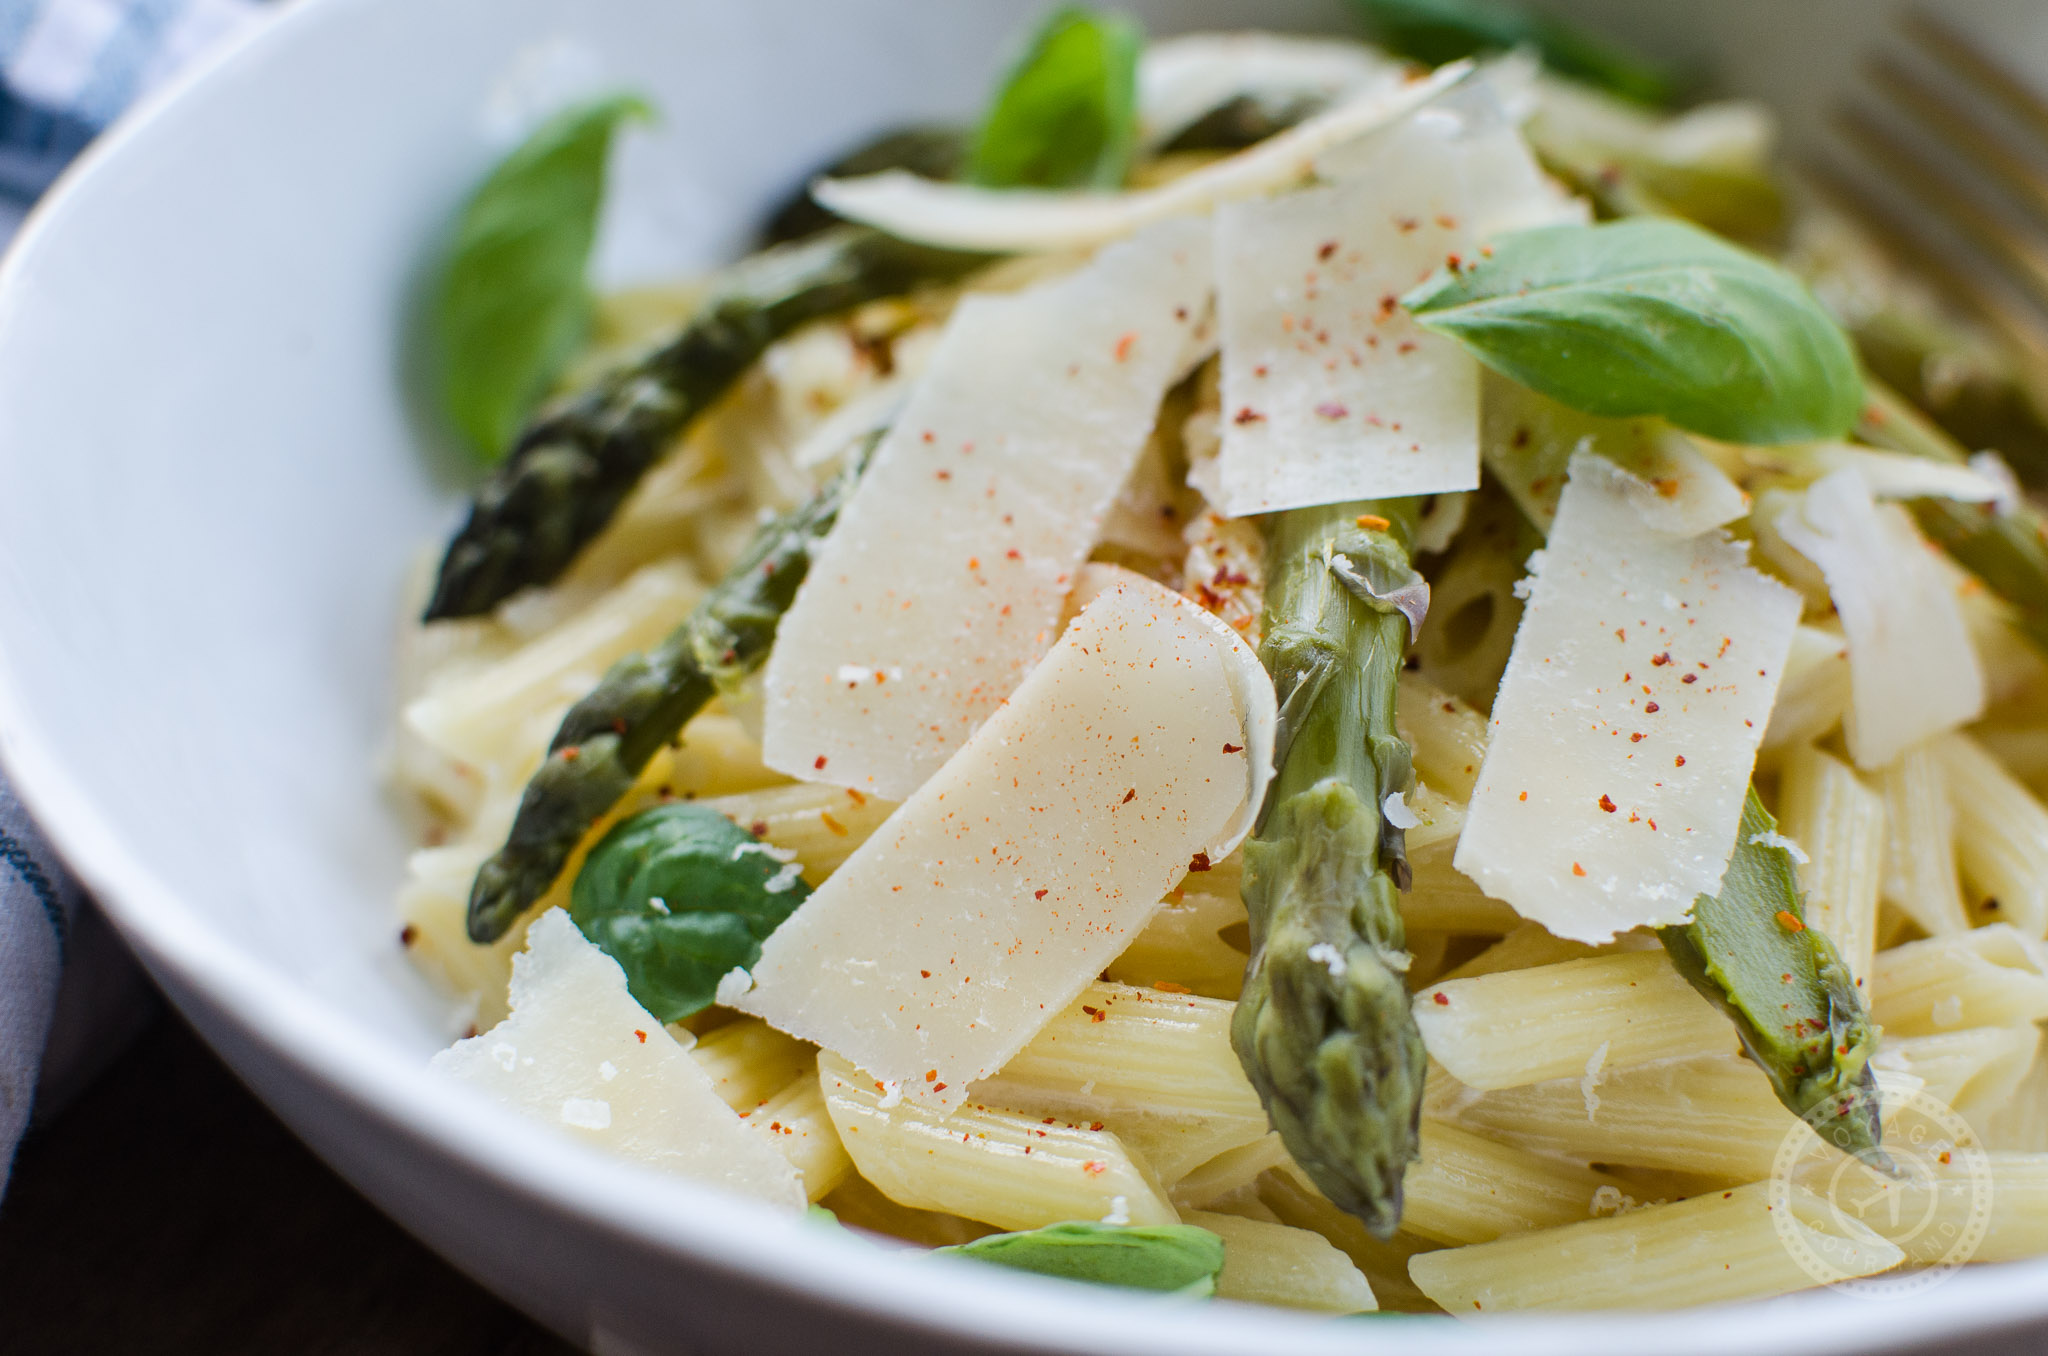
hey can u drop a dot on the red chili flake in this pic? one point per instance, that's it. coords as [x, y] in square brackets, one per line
[1653, 826]
[408, 934]
[1690, 678]
[1330, 409]
[1607, 804]
[1679, 761]
[1440, 999]
[819, 762]
[1123, 345]
[1095, 1167]
[1652, 707]
[759, 828]
[1372, 522]
[1248, 415]
[571, 754]
[642, 1035]
[938, 1087]
[1388, 305]
[1168, 986]
[925, 974]
[1014, 554]
[930, 1075]
[944, 475]
[1405, 346]
[1523, 796]
[619, 725]
[837, 829]
[1095, 1125]
[1199, 862]
[1659, 661]
[1447, 221]
[1039, 894]
[1521, 438]
[1326, 249]
[1407, 224]
[1578, 870]
[1454, 261]
[927, 435]
[1790, 921]
[1092, 1012]
[1129, 796]
[1233, 748]
[1636, 738]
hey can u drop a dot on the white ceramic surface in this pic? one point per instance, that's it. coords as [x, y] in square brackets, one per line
[213, 482]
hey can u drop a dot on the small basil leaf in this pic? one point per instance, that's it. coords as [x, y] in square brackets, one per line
[1066, 116]
[511, 303]
[679, 896]
[1170, 1257]
[1652, 317]
[1436, 31]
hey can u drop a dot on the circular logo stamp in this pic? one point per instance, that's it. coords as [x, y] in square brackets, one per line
[1835, 1213]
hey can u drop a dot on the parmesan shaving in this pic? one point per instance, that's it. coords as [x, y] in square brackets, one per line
[1913, 672]
[1182, 79]
[579, 1053]
[1627, 723]
[1894, 475]
[998, 891]
[945, 577]
[961, 216]
[1331, 391]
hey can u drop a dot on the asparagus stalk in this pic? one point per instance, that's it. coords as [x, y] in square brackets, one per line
[1323, 1028]
[606, 739]
[1792, 1000]
[576, 463]
[2006, 549]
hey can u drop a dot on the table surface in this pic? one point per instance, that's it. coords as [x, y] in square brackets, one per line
[167, 1211]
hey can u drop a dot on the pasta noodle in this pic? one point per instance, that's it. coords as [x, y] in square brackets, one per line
[1930, 1214]
[1989, 976]
[1812, 694]
[1840, 825]
[1468, 1189]
[1713, 1248]
[822, 825]
[1552, 1021]
[1006, 1168]
[1184, 945]
[797, 1123]
[1920, 848]
[2001, 834]
[1448, 735]
[1384, 1263]
[750, 1061]
[1266, 1263]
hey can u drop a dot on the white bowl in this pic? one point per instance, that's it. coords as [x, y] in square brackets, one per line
[213, 480]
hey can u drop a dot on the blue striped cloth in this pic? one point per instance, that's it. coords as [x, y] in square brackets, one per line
[69, 996]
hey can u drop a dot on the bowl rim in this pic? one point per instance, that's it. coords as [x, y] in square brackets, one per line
[703, 1226]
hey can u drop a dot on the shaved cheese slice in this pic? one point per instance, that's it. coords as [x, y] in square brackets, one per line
[579, 1053]
[1627, 723]
[994, 895]
[948, 568]
[1182, 79]
[1894, 475]
[1528, 441]
[1913, 672]
[961, 216]
[1330, 390]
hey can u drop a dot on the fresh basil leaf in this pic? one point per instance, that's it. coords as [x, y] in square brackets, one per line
[1436, 31]
[679, 896]
[1652, 316]
[511, 303]
[1066, 116]
[1171, 1257]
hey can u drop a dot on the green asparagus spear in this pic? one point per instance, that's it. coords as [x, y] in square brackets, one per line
[1323, 1028]
[933, 151]
[2007, 550]
[606, 739]
[1792, 1000]
[576, 463]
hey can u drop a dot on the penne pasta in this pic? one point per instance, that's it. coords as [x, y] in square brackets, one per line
[1005, 1168]
[1531, 944]
[859, 1204]
[1569, 1019]
[1384, 1263]
[1265, 1263]
[1920, 851]
[1840, 825]
[1715, 1248]
[1230, 1176]
[2021, 1124]
[750, 1061]
[2001, 834]
[1185, 945]
[1976, 1071]
[1999, 1198]
[798, 1125]
[1468, 1189]
[1447, 734]
[1812, 694]
[487, 716]
[1989, 976]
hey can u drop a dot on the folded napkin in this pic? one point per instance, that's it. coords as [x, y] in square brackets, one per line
[69, 995]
